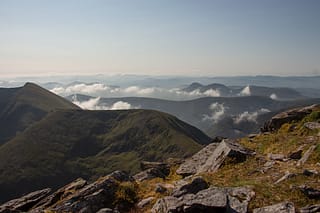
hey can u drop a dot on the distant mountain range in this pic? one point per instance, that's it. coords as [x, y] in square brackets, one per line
[217, 116]
[49, 141]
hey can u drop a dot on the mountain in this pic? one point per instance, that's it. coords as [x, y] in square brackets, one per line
[21, 107]
[273, 171]
[76, 143]
[230, 117]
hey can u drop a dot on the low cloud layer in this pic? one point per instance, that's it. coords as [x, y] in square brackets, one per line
[94, 104]
[249, 116]
[101, 90]
[217, 112]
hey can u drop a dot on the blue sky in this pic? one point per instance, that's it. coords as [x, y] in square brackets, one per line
[164, 37]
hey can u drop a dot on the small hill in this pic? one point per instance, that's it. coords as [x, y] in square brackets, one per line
[67, 144]
[21, 107]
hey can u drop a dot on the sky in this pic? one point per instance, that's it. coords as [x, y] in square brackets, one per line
[163, 37]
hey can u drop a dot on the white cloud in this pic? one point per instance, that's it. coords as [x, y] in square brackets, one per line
[246, 91]
[217, 112]
[101, 90]
[250, 116]
[274, 96]
[94, 104]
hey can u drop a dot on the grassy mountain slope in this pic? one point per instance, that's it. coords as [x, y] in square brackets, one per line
[21, 107]
[68, 144]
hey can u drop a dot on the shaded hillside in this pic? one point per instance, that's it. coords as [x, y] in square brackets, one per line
[223, 116]
[21, 107]
[76, 143]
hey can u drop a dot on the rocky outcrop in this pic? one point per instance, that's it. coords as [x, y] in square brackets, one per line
[285, 207]
[312, 125]
[78, 196]
[213, 199]
[24, 203]
[288, 116]
[210, 158]
[145, 202]
[196, 185]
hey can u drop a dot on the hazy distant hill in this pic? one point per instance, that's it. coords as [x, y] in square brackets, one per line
[224, 116]
[20, 107]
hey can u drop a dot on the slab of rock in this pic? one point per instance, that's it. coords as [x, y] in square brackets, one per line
[226, 149]
[288, 116]
[191, 165]
[213, 199]
[268, 165]
[285, 207]
[26, 202]
[278, 157]
[210, 158]
[149, 174]
[311, 209]
[61, 194]
[310, 172]
[196, 185]
[93, 197]
[306, 155]
[145, 202]
[312, 125]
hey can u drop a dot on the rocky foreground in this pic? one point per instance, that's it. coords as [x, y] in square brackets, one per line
[275, 171]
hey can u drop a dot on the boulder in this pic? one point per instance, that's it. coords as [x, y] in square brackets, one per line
[310, 192]
[24, 203]
[210, 158]
[213, 199]
[162, 167]
[285, 207]
[312, 125]
[310, 209]
[296, 155]
[196, 185]
[286, 176]
[288, 116]
[278, 157]
[191, 165]
[310, 172]
[226, 149]
[149, 174]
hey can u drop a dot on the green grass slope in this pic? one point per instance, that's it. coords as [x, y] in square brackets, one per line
[67, 144]
[21, 107]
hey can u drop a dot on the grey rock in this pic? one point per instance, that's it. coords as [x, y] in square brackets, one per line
[149, 174]
[106, 210]
[121, 176]
[160, 188]
[285, 207]
[191, 165]
[213, 199]
[310, 209]
[210, 158]
[226, 149]
[268, 165]
[306, 155]
[196, 185]
[288, 116]
[145, 202]
[312, 125]
[278, 157]
[26, 202]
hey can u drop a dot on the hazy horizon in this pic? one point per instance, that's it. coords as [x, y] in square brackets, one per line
[160, 38]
